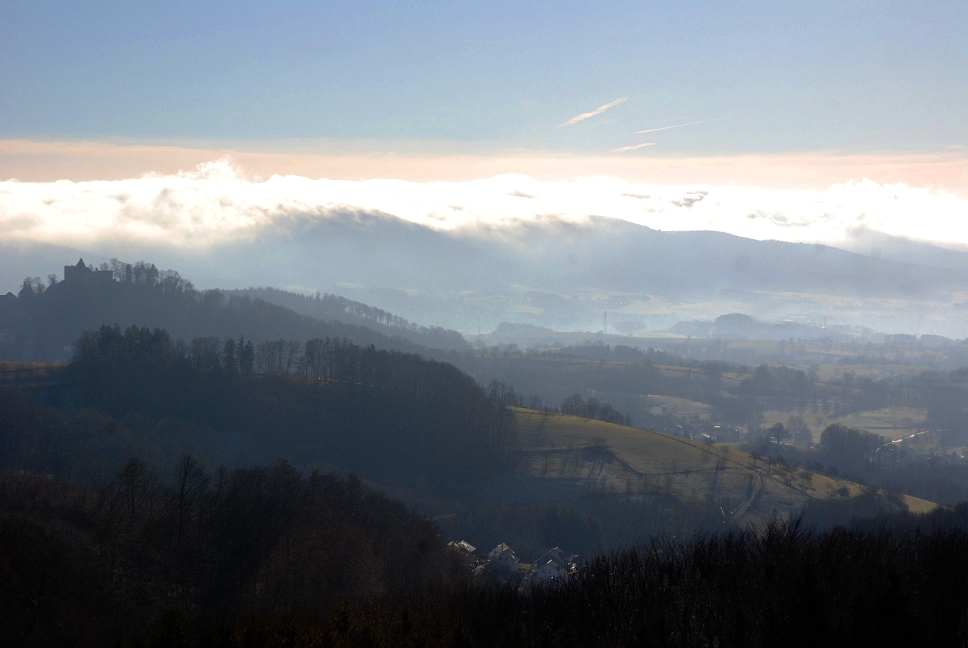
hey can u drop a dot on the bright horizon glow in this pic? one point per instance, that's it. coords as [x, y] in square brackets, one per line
[427, 161]
[217, 204]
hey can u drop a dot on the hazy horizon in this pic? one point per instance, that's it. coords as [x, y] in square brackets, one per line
[385, 148]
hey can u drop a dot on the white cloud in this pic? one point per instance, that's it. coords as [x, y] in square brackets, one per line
[597, 111]
[216, 204]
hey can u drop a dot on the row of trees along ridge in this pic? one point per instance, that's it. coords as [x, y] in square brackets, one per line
[359, 407]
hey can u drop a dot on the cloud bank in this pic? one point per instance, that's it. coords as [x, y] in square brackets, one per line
[216, 204]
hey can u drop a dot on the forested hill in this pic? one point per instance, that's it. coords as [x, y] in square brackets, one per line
[333, 307]
[384, 414]
[42, 321]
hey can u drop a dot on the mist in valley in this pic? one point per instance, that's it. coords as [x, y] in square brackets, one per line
[397, 325]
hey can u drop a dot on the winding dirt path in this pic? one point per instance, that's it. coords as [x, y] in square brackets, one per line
[741, 510]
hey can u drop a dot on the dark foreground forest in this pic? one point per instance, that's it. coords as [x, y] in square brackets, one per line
[270, 557]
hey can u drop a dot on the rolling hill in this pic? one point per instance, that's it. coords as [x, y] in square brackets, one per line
[328, 307]
[42, 322]
[577, 452]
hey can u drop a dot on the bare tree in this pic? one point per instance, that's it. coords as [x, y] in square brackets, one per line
[192, 481]
[292, 351]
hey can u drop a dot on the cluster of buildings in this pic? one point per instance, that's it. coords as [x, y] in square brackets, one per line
[552, 566]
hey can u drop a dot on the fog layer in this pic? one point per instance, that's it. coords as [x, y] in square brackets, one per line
[216, 203]
[469, 255]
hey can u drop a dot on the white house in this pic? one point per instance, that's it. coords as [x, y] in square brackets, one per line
[503, 556]
[463, 546]
[549, 572]
[554, 565]
[558, 556]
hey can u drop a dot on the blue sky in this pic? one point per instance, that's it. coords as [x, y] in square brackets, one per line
[853, 77]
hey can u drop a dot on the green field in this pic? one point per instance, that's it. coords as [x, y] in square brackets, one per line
[890, 422]
[640, 463]
[678, 407]
[25, 373]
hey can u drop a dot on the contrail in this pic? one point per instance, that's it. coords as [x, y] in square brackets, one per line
[633, 147]
[705, 121]
[597, 111]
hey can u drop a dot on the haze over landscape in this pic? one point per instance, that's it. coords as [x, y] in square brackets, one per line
[686, 129]
[489, 324]
[596, 236]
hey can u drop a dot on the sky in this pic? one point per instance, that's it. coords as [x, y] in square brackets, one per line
[789, 76]
[814, 114]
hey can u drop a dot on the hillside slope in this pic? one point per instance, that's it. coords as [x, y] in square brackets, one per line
[333, 307]
[41, 323]
[745, 488]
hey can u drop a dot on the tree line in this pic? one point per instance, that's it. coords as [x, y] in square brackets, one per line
[593, 409]
[574, 405]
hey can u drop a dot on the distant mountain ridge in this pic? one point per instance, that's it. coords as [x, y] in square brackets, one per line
[474, 278]
[740, 326]
[373, 249]
[602, 254]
